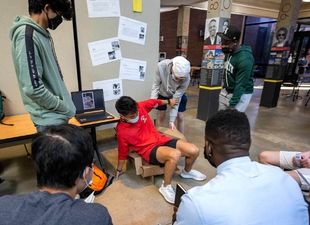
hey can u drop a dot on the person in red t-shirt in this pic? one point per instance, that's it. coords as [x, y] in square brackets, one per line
[136, 132]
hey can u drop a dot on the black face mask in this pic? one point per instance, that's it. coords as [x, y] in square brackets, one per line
[54, 22]
[209, 157]
[226, 50]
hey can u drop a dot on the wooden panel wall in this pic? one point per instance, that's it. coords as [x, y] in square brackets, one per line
[168, 30]
[195, 36]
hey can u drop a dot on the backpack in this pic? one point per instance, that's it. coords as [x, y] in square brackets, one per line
[2, 97]
[100, 181]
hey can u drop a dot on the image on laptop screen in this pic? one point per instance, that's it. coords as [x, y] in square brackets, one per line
[88, 100]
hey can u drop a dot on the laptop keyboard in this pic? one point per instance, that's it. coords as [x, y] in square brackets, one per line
[91, 117]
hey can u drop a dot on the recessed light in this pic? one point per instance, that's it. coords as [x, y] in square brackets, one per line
[306, 0]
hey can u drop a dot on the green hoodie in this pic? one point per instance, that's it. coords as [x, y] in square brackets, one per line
[41, 84]
[238, 78]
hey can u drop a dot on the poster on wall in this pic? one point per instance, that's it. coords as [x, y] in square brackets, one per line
[132, 69]
[132, 30]
[103, 8]
[113, 89]
[211, 29]
[104, 51]
[281, 39]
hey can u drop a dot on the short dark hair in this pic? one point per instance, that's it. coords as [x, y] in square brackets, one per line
[229, 127]
[125, 105]
[62, 7]
[61, 153]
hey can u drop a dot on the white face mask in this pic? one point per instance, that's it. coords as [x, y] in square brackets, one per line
[134, 120]
[88, 181]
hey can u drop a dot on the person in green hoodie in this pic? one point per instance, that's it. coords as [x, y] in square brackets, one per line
[238, 77]
[39, 76]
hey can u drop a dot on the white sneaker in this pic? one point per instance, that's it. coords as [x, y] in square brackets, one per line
[193, 174]
[167, 192]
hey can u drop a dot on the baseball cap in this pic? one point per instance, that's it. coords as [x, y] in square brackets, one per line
[181, 67]
[231, 33]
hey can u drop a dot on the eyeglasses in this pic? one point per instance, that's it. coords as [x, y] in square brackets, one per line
[281, 35]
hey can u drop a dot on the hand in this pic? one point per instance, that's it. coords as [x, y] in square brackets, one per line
[305, 160]
[173, 102]
[117, 174]
[172, 126]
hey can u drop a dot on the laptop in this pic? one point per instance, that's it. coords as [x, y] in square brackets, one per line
[90, 106]
[180, 190]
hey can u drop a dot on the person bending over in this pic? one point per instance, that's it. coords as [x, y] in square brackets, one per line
[136, 132]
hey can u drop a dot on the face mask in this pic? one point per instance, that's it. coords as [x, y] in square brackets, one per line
[226, 50]
[134, 120]
[54, 22]
[208, 156]
[88, 181]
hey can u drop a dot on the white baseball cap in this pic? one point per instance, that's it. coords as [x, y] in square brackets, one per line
[181, 67]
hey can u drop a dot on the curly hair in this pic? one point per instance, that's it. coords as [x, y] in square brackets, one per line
[229, 127]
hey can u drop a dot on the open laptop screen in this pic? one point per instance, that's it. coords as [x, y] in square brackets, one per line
[88, 100]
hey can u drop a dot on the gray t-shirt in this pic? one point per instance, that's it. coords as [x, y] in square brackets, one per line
[39, 208]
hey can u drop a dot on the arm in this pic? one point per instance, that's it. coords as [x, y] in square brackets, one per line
[156, 84]
[178, 95]
[150, 104]
[30, 78]
[119, 169]
[122, 152]
[187, 213]
[244, 72]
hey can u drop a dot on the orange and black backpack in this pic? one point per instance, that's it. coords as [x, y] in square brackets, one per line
[100, 181]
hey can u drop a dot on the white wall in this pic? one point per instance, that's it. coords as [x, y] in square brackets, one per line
[88, 30]
[94, 29]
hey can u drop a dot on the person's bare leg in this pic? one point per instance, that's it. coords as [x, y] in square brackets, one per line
[180, 122]
[170, 157]
[269, 157]
[160, 117]
[190, 151]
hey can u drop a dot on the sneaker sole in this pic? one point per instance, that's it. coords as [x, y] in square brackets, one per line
[190, 177]
[167, 200]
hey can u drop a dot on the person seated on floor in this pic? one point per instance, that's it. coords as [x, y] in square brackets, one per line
[298, 164]
[63, 157]
[136, 131]
[243, 191]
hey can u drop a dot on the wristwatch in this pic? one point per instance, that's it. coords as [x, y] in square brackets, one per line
[168, 101]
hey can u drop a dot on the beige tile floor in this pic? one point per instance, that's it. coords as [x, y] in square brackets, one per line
[134, 200]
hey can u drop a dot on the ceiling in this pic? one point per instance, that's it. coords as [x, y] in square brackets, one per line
[175, 3]
[269, 4]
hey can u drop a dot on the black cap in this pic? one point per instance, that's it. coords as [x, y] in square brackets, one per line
[231, 33]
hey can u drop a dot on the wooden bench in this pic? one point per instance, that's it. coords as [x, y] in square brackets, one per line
[148, 170]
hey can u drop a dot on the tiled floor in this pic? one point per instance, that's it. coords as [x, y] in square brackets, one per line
[133, 200]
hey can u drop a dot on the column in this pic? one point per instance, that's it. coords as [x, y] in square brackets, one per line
[182, 30]
[279, 54]
[212, 66]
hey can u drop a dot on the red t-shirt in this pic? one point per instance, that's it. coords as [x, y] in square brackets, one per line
[141, 136]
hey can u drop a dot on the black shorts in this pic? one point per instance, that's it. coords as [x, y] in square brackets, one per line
[153, 160]
[182, 104]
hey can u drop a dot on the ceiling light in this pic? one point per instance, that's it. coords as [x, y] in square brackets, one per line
[306, 0]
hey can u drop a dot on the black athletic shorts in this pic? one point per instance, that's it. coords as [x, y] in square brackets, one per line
[153, 160]
[182, 105]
